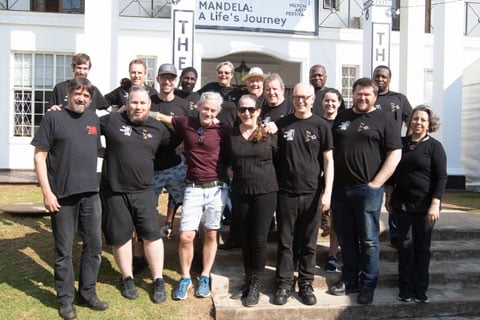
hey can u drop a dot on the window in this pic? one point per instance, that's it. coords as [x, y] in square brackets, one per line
[35, 75]
[349, 75]
[63, 6]
[331, 4]
[151, 63]
[428, 86]
[145, 8]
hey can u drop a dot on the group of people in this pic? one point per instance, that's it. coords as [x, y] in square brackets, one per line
[301, 160]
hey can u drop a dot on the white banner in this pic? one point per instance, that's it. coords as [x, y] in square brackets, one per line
[283, 16]
[183, 30]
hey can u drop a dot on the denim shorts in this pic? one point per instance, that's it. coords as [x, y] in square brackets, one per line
[203, 202]
[172, 179]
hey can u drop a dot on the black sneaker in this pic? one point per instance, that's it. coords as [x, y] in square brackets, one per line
[128, 288]
[281, 296]
[404, 298]
[306, 294]
[94, 303]
[159, 290]
[421, 298]
[365, 296]
[67, 311]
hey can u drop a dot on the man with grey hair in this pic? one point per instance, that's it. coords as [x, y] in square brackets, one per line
[206, 192]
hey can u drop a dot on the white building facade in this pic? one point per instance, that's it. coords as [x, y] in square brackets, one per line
[428, 55]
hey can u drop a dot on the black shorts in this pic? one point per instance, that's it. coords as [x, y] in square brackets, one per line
[122, 212]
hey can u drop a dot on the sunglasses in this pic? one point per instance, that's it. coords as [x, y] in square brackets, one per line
[201, 136]
[244, 109]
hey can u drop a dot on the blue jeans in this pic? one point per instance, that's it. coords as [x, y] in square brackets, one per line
[82, 212]
[356, 214]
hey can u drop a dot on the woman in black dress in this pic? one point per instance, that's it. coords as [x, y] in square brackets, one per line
[420, 181]
[254, 191]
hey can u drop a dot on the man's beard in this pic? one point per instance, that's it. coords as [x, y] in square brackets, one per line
[137, 121]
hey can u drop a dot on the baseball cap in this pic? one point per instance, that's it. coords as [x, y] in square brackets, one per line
[167, 68]
[254, 72]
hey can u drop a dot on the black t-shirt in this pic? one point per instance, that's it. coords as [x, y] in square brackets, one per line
[301, 143]
[395, 103]
[60, 96]
[72, 141]
[128, 162]
[119, 96]
[229, 94]
[191, 98]
[269, 114]
[252, 164]
[361, 145]
[166, 156]
[421, 174]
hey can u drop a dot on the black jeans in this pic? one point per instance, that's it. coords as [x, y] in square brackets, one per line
[82, 212]
[296, 211]
[414, 235]
[254, 213]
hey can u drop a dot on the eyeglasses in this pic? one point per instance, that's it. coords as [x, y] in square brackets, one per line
[298, 98]
[201, 136]
[223, 72]
[245, 109]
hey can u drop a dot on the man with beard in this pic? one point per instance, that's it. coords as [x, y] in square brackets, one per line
[126, 189]
[188, 80]
[66, 148]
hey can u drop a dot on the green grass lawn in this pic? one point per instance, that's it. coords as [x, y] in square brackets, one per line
[26, 272]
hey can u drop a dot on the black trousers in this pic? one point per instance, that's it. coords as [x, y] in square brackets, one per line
[414, 238]
[254, 214]
[296, 211]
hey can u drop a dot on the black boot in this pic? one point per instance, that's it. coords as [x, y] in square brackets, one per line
[253, 292]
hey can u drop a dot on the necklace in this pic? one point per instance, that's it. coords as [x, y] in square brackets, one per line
[411, 145]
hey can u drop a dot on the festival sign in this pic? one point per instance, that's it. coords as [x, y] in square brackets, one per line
[279, 16]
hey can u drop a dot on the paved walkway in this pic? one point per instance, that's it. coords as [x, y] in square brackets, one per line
[17, 177]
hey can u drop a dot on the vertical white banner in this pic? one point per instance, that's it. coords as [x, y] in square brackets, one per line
[183, 30]
[377, 25]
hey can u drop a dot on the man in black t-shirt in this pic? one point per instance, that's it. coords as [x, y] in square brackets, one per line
[137, 69]
[318, 79]
[396, 104]
[275, 105]
[367, 151]
[66, 148]
[188, 80]
[128, 199]
[81, 65]
[304, 144]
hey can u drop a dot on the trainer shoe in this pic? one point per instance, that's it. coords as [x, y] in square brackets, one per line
[128, 288]
[332, 264]
[404, 298]
[159, 290]
[181, 292]
[203, 287]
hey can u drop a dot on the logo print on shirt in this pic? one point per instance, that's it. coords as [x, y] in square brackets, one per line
[362, 126]
[127, 130]
[146, 135]
[344, 125]
[289, 135]
[92, 130]
[309, 136]
[394, 107]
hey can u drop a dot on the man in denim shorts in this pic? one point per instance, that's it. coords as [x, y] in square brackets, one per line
[206, 192]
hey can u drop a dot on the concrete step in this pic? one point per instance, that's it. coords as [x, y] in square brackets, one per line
[445, 301]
